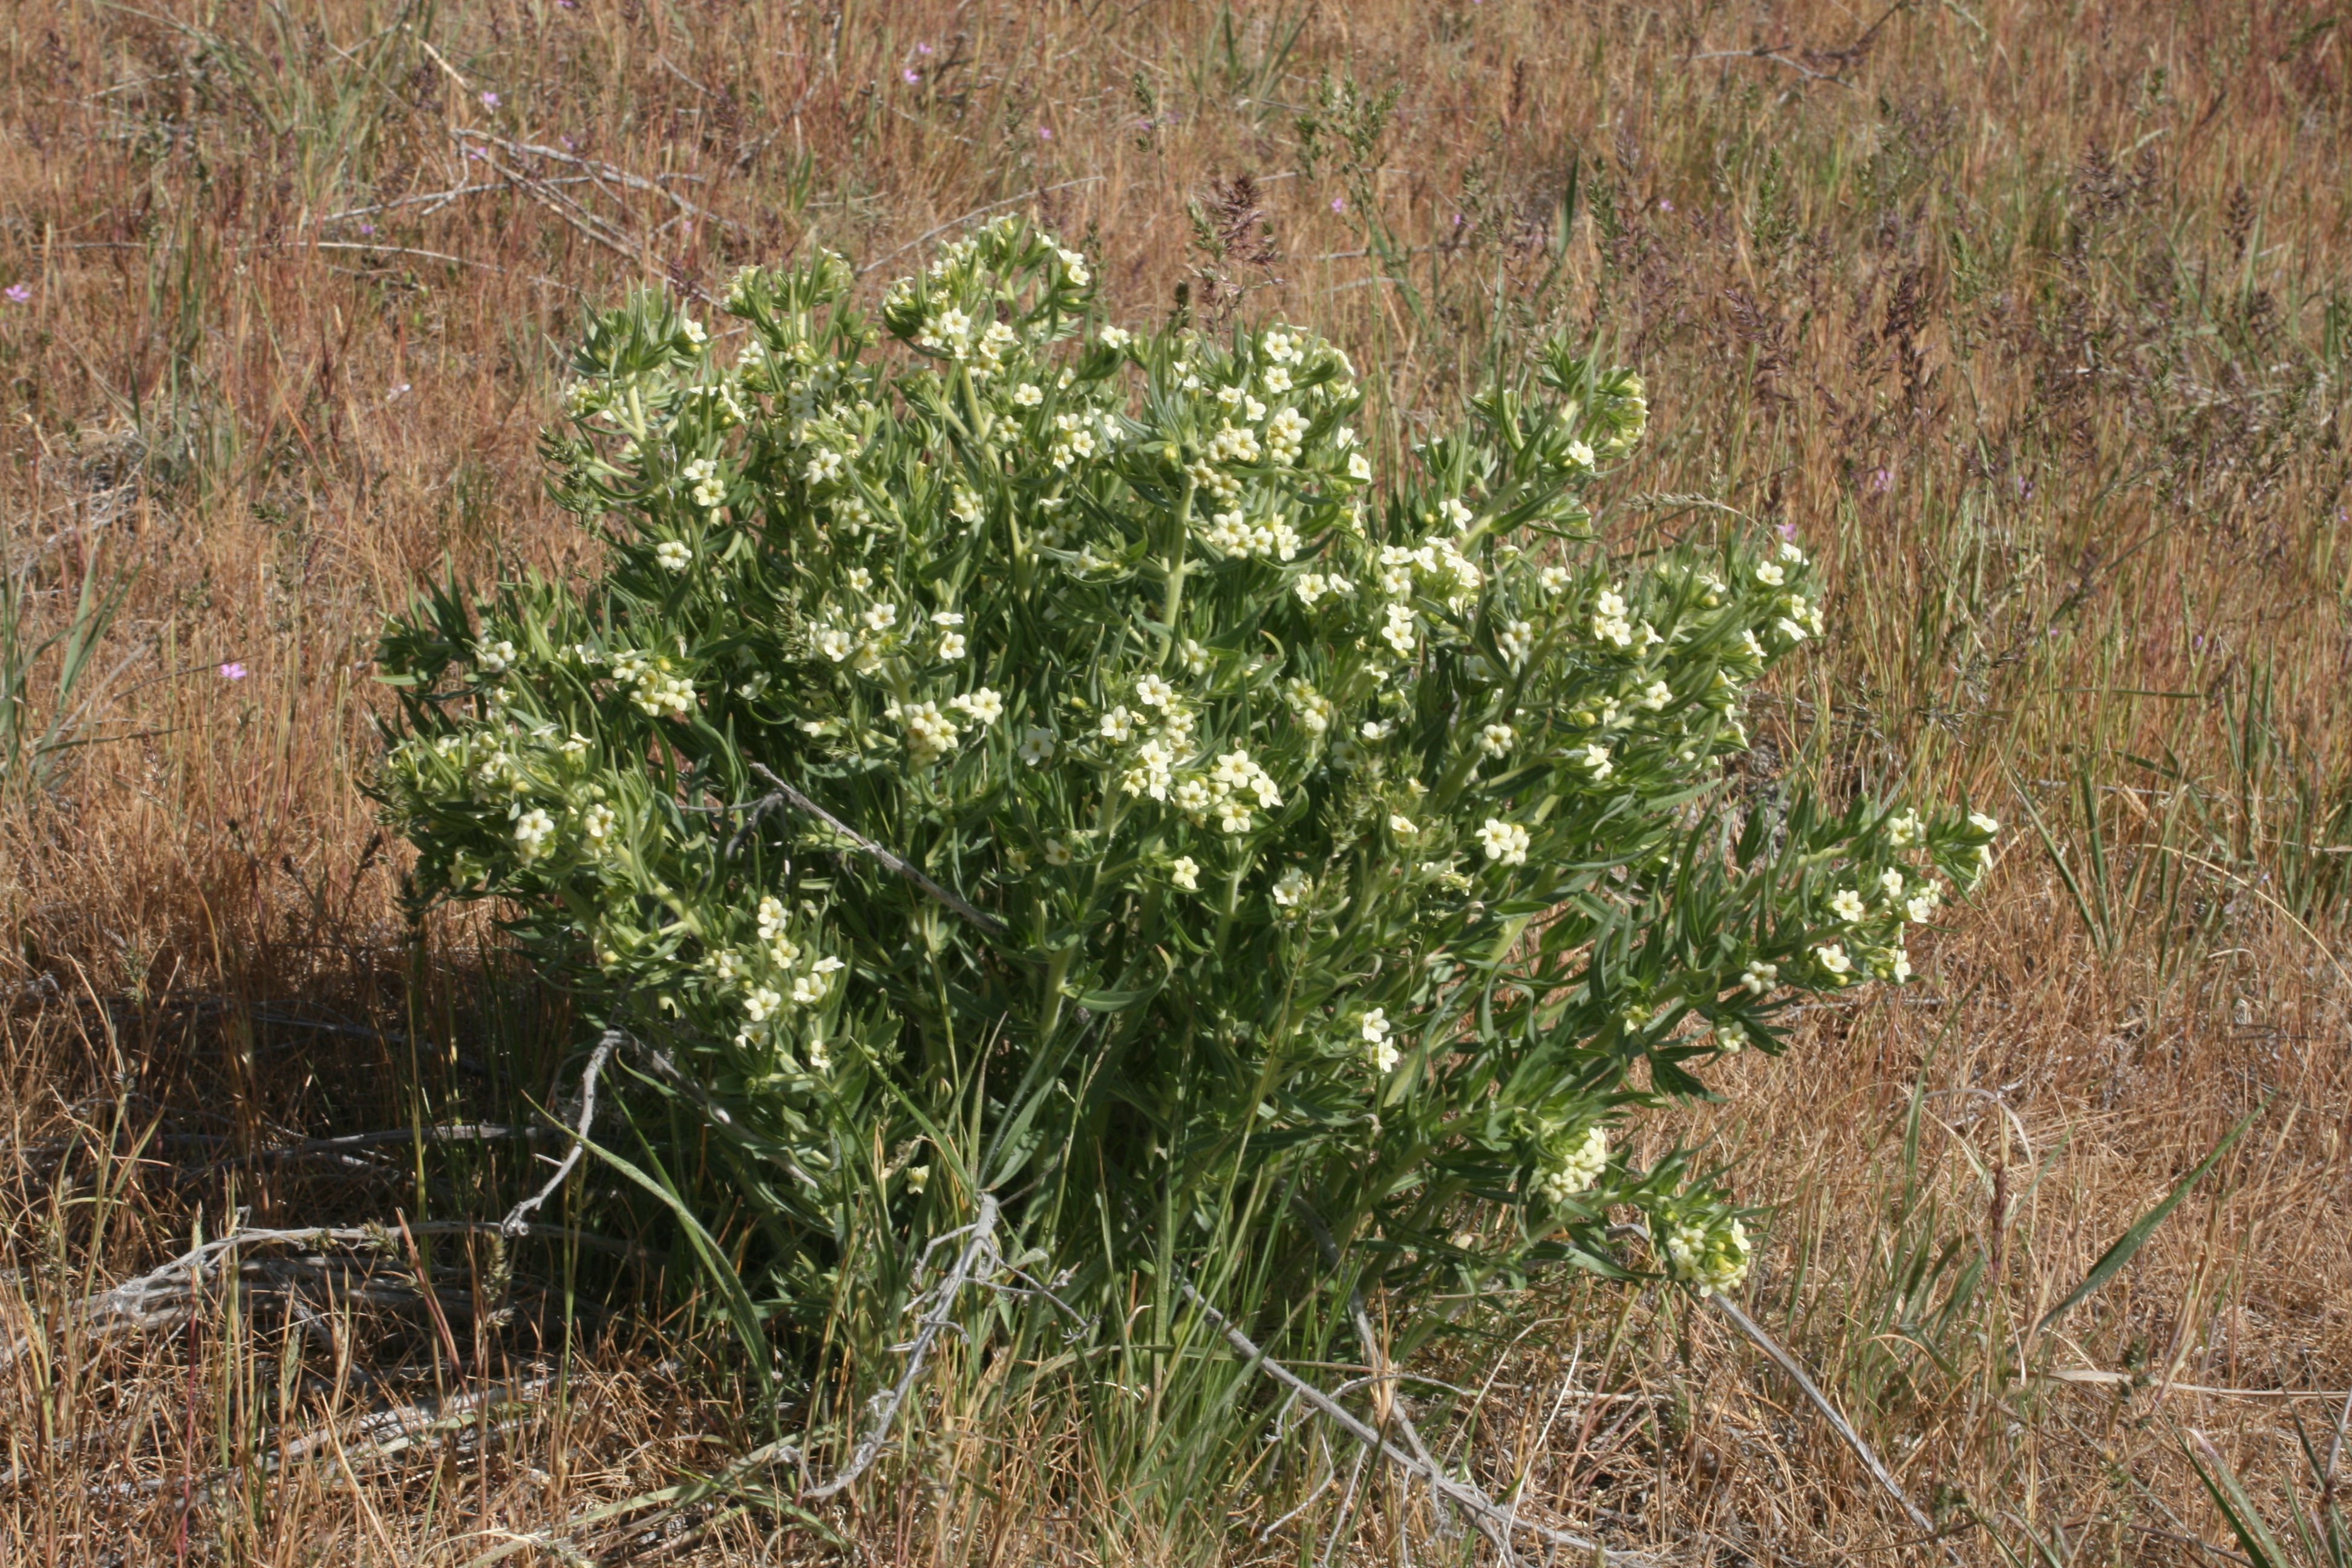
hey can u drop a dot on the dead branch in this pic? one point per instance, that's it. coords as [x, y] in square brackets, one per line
[1838, 1424]
[168, 1295]
[979, 1258]
[1491, 1518]
[514, 1223]
[786, 794]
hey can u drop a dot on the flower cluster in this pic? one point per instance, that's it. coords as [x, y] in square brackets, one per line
[1578, 1170]
[1707, 1251]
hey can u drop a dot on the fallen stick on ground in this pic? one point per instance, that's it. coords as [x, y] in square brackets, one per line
[1821, 1402]
[166, 1296]
[978, 1260]
[1492, 1519]
[2122, 1379]
[1387, 1404]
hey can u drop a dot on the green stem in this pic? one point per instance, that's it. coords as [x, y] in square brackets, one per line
[1178, 562]
[1058, 969]
[1232, 902]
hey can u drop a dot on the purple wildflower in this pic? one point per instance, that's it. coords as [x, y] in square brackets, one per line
[232, 671]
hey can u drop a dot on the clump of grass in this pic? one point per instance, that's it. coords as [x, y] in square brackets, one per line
[2039, 332]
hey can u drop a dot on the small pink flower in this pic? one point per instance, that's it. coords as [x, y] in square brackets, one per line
[367, 228]
[490, 101]
[911, 76]
[19, 295]
[1339, 204]
[1045, 133]
[922, 48]
[1788, 530]
[232, 671]
[1664, 206]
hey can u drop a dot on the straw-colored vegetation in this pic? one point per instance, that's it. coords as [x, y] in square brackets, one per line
[2033, 323]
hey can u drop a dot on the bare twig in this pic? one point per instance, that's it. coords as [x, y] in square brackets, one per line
[1491, 1517]
[978, 1259]
[514, 1223]
[168, 1294]
[433, 201]
[342, 1150]
[575, 216]
[606, 170]
[709, 1106]
[1330, 1474]
[1387, 1402]
[385, 1432]
[2124, 1379]
[1821, 1402]
[955, 901]
[1771, 52]
[2334, 1452]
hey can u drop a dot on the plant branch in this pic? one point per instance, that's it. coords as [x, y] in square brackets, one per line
[513, 1224]
[167, 1294]
[1821, 1402]
[1493, 1518]
[955, 902]
[1386, 1402]
[979, 1257]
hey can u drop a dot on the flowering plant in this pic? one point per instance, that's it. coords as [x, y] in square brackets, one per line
[1032, 758]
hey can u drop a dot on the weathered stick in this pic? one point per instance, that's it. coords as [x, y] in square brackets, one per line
[1491, 1517]
[513, 1224]
[167, 1294]
[979, 1257]
[955, 902]
[1821, 1402]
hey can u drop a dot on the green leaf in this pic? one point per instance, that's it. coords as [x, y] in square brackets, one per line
[1116, 1001]
[2245, 1521]
[2116, 1256]
[740, 1308]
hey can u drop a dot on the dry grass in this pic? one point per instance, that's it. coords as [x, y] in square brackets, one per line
[2037, 324]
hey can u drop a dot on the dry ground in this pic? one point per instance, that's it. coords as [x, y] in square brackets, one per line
[2033, 318]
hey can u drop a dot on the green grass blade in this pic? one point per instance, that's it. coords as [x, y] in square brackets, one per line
[2245, 1521]
[2112, 1260]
